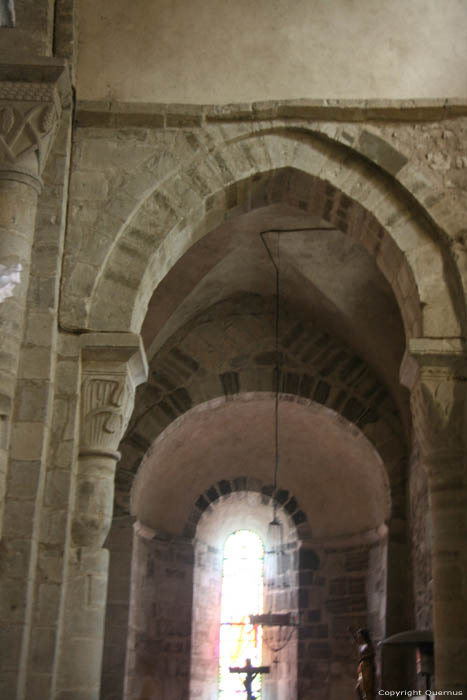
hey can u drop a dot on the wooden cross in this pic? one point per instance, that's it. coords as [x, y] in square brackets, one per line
[251, 673]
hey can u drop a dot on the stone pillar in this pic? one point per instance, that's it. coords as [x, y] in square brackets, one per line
[30, 106]
[113, 364]
[435, 371]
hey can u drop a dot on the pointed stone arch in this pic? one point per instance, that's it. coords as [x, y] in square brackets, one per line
[362, 185]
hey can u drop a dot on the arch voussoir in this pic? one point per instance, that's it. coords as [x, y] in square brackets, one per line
[316, 369]
[354, 183]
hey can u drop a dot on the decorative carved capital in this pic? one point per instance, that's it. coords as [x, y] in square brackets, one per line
[31, 101]
[104, 406]
[113, 364]
[435, 371]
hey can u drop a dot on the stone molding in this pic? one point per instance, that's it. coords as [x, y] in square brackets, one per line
[113, 365]
[435, 372]
[161, 115]
[31, 103]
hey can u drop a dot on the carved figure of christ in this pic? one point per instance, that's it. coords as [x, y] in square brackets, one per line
[251, 672]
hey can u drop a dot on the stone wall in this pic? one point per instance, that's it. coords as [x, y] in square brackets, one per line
[280, 643]
[207, 582]
[420, 527]
[46, 435]
[159, 638]
[341, 585]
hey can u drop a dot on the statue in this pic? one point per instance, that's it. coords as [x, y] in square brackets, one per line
[366, 670]
[250, 674]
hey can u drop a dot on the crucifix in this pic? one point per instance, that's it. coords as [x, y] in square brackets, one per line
[251, 673]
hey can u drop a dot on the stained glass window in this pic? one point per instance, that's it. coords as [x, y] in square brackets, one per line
[242, 595]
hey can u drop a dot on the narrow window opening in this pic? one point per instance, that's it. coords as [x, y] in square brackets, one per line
[242, 595]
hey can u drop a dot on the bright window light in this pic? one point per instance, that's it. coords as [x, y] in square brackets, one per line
[242, 595]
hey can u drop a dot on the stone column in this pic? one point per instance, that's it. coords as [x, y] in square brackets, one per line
[435, 371]
[30, 106]
[113, 364]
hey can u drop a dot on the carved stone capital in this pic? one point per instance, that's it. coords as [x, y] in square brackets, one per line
[113, 364]
[435, 371]
[31, 102]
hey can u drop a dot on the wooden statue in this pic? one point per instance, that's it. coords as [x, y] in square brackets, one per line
[366, 670]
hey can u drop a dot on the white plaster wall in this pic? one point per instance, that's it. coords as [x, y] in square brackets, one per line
[216, 51]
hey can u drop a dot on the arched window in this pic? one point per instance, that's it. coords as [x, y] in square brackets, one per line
[242, 595]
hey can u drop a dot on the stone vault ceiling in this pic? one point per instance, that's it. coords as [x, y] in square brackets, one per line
[209, 334]
[323, 273]
[326, 463]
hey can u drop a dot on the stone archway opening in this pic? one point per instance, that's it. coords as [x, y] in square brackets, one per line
[251, 511]
[208, 332]
[334, 497]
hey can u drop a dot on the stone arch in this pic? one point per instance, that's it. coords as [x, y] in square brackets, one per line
[224, 488]
[316, 369]
[206, 440]
[250, 510]
[383, 207]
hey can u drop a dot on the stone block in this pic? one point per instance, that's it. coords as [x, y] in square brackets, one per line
[42, 293]
[10, 647]
[308, 560]
[23, 480]
[19, 519]
[35, 363]
[32, 399]
[57, 489]
[448, 583]
[50, 565]
[43, 648]
[48, 604]
[63, 454]
[96, 591]
[45, 259]
[13, 601]
[8, 684]
[89, 185]
[87, 622]
[381, 152]
[81, 669]
[53, 526]
[91, 561]
[16, 218]
[67, 377]
[38, 685]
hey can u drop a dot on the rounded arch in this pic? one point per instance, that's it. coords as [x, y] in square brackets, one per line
[316, 368]
[222, 490]
[324, 459]
[384, 208]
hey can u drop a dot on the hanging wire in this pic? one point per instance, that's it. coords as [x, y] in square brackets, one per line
[278, 639]
[278, 356]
